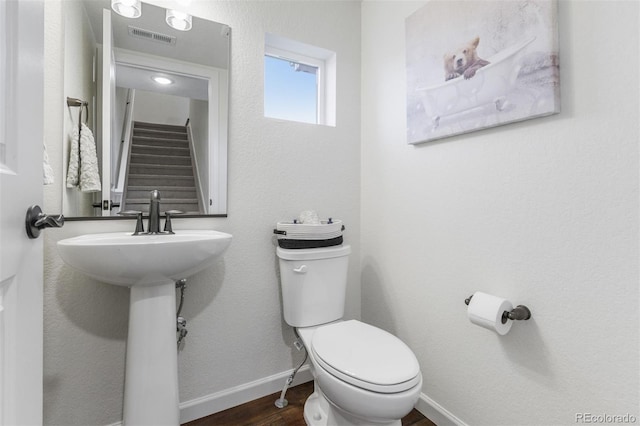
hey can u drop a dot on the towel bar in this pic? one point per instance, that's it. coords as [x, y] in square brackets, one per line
[75, 102]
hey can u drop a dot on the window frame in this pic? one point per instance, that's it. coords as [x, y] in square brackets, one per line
[324, 60]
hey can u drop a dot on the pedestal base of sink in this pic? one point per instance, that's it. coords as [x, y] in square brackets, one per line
[147, 265]
[151, 377]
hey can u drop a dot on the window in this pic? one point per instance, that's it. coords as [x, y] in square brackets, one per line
[299, 81]
[290, 90]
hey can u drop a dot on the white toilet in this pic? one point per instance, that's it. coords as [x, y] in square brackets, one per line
[363, 375]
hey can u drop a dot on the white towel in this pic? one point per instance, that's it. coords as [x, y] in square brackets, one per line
[47, 171]
[87, 179]
[309, 217]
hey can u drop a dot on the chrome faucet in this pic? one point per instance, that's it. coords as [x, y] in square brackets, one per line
[154, 212]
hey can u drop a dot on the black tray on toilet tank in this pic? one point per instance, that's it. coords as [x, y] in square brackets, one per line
[294, 235]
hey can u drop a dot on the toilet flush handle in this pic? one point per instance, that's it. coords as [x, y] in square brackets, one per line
[301, 270]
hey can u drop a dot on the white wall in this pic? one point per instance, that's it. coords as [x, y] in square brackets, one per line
[199, 123]
[54, 102]
[155, 107]
[543, 212]
[68, 40]
[120, 109]
[276, 169]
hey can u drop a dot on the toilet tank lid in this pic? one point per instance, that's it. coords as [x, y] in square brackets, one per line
[366, 356]
[314, 253]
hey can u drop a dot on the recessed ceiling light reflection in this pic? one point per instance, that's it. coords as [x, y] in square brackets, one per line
[178, 20]
[162, 80]
[127, 8]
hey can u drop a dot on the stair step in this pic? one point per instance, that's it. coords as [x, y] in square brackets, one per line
[166, 192]
[188, 208]
[159, 142]
[158, 126]
[152, 159]
[176, 151]
[160, 169]
[163, 201]
[160, 188]
[160, 134]
[160, 181]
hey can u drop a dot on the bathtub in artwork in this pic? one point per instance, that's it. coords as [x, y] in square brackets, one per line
[516, 85]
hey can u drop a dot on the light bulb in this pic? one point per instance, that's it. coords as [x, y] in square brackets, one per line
[161, 80]
[179, 20]
[127, 8]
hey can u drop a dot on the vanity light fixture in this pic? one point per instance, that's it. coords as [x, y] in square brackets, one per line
[127, 8]
[162, 80]
[179, 20]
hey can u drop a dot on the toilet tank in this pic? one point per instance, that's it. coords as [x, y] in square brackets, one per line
[314, 284]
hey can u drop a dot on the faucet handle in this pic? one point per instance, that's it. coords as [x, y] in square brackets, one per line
[138, 214]
[167, 222]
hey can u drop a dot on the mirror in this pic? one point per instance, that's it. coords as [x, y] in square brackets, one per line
[147, 135]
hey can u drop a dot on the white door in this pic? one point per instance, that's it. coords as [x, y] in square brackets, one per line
[21, 258]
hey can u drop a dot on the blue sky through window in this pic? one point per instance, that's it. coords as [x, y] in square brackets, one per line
[289, 94]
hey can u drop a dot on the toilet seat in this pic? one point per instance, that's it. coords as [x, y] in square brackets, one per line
[366, 357]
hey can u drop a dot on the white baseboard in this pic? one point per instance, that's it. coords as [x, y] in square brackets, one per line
[228, 398]
[437, 413]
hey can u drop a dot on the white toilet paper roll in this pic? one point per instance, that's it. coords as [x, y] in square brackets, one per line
[486, 311]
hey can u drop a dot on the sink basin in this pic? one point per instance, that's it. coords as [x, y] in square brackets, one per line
[149, 265]
[140, 260]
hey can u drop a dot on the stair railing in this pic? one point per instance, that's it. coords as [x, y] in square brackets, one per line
[125, 143]
[202, 207]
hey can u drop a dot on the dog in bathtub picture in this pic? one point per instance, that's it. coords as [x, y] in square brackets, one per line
[472, 65]
[465, 61]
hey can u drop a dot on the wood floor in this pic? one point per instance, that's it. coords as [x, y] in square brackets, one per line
[263, 412]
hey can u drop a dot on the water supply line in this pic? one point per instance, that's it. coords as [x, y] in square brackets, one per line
[282, 402]
[181, 323]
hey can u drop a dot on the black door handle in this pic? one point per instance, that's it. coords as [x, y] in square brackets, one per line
[36, 221]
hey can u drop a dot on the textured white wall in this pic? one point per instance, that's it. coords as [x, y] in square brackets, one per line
[276, 169]
[543, 212]
[153, 107]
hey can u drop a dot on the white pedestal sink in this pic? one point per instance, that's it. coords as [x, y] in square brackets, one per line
[150, 265]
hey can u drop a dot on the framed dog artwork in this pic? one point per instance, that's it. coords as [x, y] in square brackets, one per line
[472, 65]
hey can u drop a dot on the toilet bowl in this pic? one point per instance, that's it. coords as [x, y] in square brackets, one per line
[366, 375]
[362, 375]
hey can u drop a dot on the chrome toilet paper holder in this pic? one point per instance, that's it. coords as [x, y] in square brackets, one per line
[518, 313]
